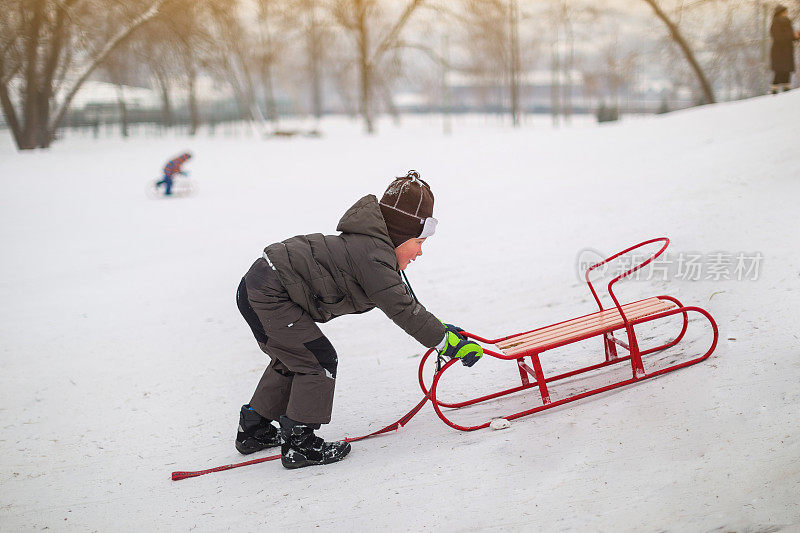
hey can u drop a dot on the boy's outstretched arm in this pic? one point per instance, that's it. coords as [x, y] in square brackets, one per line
[383, 285]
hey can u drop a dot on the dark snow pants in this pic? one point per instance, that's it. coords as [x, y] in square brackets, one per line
[167, 180]
[300, 379]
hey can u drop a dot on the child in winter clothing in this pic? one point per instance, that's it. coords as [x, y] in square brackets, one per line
[310, 279]
[170, 169]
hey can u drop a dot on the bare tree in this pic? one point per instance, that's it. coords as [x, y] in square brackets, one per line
[502, 39]
[316, 35]
[231, 61]
[569, 17]
[183, 40]
[514, 61]
[248, 39]
[117, 66]
[46, 53]
[736, 49]
[619, 66]
[161, 60]
[488, 39]
[688, 53]
[364, 20]
[267, 53]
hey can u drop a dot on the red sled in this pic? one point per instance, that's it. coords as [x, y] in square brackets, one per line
[526, 349]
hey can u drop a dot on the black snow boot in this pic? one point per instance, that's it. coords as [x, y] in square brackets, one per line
[302, 448]
[255, 433]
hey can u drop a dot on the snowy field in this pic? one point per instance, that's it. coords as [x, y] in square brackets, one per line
[124, 357]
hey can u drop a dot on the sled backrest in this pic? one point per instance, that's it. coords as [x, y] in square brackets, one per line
[627, 273]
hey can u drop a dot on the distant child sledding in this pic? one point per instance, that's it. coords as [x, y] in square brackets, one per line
[171, 169]
[310, 279]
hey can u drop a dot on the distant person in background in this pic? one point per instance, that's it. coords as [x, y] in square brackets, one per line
[782, 54]
[172, 168]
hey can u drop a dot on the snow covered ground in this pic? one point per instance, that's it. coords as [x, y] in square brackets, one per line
[124, 358]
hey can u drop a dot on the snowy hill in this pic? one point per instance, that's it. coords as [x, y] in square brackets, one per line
[124, 357]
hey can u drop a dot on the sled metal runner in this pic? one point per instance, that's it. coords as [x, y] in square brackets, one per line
[526, 348]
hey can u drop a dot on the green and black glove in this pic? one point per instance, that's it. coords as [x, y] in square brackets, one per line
[457, 346]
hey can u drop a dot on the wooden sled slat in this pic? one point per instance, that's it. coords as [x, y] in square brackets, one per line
[607, 320]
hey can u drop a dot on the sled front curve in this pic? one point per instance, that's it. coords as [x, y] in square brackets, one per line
[526, 348]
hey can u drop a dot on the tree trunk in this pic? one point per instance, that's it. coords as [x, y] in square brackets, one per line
[241, 101]
[267, 80]
[569, 59]
[365, 69]
[316, 90]
[314, 53]
[11, 115]
[123, 111]
[514, 69]
[447, 127]
[343, 88]
[365, 103]
[705, 86]
[166, 103]
[386, 93]
[30, 107]
[194, 113]
[269, 96]
[51, 60]
[555, 69]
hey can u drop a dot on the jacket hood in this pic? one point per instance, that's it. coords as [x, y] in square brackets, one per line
[365, 218]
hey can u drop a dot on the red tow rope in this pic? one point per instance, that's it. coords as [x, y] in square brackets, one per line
[391, 427]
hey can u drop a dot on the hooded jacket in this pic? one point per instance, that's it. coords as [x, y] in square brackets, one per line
[354, 272]
[174, 165]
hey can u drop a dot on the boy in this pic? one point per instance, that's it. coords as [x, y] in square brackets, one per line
[314, 278]
[170, 169]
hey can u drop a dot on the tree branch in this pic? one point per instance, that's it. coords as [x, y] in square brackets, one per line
[391, 38]
[11, 115]
[675, 33]
[427, 50]
[149, 14]
[10, 74]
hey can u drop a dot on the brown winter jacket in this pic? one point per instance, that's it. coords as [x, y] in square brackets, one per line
[354, 272]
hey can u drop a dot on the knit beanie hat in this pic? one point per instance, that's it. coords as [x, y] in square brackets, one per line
[407, 208]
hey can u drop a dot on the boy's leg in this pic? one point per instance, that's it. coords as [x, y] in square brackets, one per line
[310, 402]
[311, 397]
[305, 369]
[272, 392]
[300, 380]
[250, 316]
[168, 181]
[271, 396]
